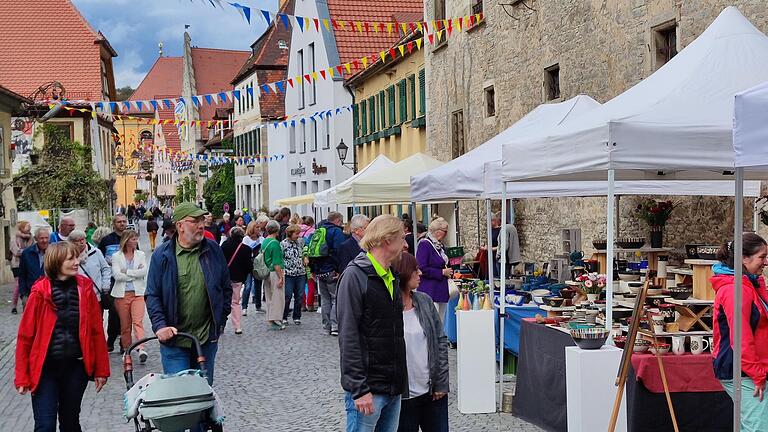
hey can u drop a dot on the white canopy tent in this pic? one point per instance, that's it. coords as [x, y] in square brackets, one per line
[388, 186]
[327, 198]
[675, 124]
[462, 178]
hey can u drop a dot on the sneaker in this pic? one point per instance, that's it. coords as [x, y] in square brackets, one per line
[142, 356]
[259, 310]
[14, 311]
[334, 332]
[297, 322]
[275, 325]
[285, 322]
[245, 312]
[238, 331]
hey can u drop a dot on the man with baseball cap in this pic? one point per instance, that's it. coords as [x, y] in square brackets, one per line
[188, 290]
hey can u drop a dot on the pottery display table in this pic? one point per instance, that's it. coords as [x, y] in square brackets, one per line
[691, 311]
[590, 377]
[702, 272]
[651, 253]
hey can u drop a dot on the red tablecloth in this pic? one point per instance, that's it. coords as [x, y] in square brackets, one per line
[685, 373]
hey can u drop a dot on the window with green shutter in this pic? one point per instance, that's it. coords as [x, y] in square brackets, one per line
[422, 93]
[412, 91]
[355, 120]
[391, 97]
[372, 113]
[403, 102]
[383, 110]
[363, 119]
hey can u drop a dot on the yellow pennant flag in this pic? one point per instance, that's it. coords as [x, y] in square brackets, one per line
[402, 50]
[434, 26]
[405, 28]
[383, 55]
[348, 67]
[306, 23]
[419, 41]
[365, 62]
[477, 17]
[439, 35]
[330, 72]
[375, 27]
[297, 79]
[359, 26]
[389, 28]
[326, 25]
[418, 26]
[176, 122]
[209, 123]
[457, 23]
[314, 75]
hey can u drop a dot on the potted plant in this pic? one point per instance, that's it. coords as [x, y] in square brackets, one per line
[592, 284]
[655, 214]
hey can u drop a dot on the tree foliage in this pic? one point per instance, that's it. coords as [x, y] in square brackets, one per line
[220, 189]
[185, 191]
[123, 93]
[63, 177]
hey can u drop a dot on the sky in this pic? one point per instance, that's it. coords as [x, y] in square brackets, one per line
[135, 27]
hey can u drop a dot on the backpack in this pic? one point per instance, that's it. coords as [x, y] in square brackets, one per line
[318, 246]
[260, 269]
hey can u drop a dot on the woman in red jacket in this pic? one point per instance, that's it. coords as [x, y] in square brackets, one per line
[754, 318]
[61, 343]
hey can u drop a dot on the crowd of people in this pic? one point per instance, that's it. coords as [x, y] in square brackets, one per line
[384, 304]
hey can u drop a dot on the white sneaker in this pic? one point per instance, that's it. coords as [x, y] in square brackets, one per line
[245, 312]
[143, 356]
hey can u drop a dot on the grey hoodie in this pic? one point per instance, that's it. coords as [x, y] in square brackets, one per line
[95, 268]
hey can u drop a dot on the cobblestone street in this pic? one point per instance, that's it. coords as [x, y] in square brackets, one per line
[268, 381]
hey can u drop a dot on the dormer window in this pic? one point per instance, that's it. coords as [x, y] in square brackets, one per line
[283, 45]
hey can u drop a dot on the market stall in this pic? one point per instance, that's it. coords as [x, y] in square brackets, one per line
[327, 198]
[653, 130]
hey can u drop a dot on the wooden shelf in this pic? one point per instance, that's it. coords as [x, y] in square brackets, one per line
[701, 262]
[680, 333]
[689, 302]
[641, 250]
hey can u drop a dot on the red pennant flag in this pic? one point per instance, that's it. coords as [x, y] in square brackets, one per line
[356, 64]
[410, 47]
[482, 17]
[397, 26]
[413, 27]
[392, 53]
[308, 78]
[471, 20]
[426, 27]
[290, 82]
[431, 38]
[382, 28]
[450, 29]
[335, 24]
[322, 72]
[339, 70]
[367, 27]
[317, 24]
[439, 25]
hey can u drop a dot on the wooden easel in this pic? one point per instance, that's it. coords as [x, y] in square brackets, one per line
[626, 357]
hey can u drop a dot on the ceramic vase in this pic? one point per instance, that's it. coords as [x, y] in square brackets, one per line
[476, 302]
[657, 236]
[592, 297]
[488, 304]
[466, 305]
[460, 303]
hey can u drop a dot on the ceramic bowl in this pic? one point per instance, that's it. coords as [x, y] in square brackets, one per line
[619, 313]
[567, 293]
[635, 287]
[641, 346]
[541, 292]
[654, 290]
[679, 293]
[661, 348]
[554, 301]
[629, 277]
[620, 341]
[589, 344]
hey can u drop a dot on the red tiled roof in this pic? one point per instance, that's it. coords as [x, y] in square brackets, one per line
[164, 78]
[49, 40]
[214, 69]
[351, 44]
[272, 105]
[265, 52]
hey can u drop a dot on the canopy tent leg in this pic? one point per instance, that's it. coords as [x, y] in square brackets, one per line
[738, 232]
[503, 287]
[415, 231]
[755, 216]
[477, 212]
[609, 250]
[489, 231]
[456, 220]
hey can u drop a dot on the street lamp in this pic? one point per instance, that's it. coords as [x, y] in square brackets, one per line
[342, 150]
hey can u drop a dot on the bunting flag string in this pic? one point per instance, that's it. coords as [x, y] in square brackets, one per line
[304, 23]
[441, 31]
[154, 121]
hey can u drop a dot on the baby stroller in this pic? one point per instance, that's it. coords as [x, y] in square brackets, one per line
[174, 402]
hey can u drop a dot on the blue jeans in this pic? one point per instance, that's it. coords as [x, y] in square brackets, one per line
[422, 411]
[60, 391]
[385, 417]
[294, 287]
[177, 359]
[251, 284]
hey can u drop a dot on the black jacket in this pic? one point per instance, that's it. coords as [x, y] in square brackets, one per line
[65, 340]
[242, 264]
[371, 340]
[348, 251]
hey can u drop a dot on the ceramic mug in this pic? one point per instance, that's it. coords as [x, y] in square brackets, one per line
[711, 343]
[678, 345]
[698, 345]
[658, 323]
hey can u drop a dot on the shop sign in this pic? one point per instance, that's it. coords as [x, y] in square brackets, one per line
[318, 169]
[300, 171]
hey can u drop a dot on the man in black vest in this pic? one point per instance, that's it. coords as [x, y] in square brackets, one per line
[370, 314]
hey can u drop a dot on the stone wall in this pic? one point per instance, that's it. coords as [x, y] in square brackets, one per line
[602, 47]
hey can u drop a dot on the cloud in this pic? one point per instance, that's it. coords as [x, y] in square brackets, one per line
[135, 27]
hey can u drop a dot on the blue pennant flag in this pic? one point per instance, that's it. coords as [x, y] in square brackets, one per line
[285, 20]
[196, 101]
[276, 124]
[264, 88]
[303, 121]
[236, 94]
[338, 110]
[244, 10]
[250, 91]
[223, 96]
[329, 113]
[139, 104]
[181, 99]
[293, 123]
[300, 22]
[280, 86]
[127, 106]
[167, 103]
[99, 105]
[209, 99]
[321, 115]
[266, 16]
[154, 104]
[113, 106]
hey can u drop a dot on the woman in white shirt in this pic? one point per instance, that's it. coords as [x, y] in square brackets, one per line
[426, 352]
[129, 269]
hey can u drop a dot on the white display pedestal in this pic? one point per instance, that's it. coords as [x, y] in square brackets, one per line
[590, 377]
[476, 361]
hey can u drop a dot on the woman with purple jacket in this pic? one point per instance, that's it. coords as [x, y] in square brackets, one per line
[433, 263]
